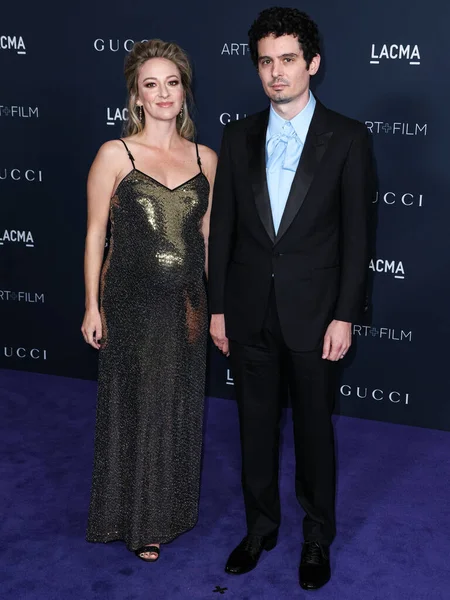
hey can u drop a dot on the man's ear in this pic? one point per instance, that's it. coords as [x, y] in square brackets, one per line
[314, 65]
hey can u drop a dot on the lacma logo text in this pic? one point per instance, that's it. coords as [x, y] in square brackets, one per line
[408, 53]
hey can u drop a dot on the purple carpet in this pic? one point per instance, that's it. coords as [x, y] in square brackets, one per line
[393, 537]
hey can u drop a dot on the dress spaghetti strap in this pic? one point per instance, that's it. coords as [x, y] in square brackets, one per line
[198, 158]
[129, 153]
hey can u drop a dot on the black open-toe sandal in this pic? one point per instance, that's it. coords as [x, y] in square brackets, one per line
[148, 549]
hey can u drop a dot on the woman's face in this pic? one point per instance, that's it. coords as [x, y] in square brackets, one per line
[160, 91]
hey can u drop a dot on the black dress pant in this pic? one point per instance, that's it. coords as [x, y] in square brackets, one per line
[260, 373]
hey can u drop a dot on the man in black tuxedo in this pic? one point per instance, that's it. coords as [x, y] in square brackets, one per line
[288, 259]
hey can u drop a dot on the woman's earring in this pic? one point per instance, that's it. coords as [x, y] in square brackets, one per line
[140, 113]
[181, 113]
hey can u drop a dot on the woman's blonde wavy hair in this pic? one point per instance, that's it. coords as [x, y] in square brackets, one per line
[141, 53]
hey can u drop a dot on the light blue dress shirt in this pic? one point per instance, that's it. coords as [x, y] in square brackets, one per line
[279, 181]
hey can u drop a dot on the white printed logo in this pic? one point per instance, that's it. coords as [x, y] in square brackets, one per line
[34, 353]
[13, 42]
[116, 115]
[408, 53]
[397, 128]
[393, 198]
[235, 49]
[21, 112]
[228, 117]
[376, 394]
[18, 175]
[14, 236]
[28, 297]
[101, 45]
[380, 265]
[387, 333]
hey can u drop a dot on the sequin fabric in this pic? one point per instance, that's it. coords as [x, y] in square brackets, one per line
[152, 364]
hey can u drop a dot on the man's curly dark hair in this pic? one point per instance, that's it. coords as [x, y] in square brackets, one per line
[280, 21]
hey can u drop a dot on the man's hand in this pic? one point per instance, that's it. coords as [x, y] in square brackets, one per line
[337, 341]
[217, 331]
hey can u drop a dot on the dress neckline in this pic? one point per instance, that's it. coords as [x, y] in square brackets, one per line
[165, 186]
[158, 182]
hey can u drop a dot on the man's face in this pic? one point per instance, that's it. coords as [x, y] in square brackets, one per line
[282, 68]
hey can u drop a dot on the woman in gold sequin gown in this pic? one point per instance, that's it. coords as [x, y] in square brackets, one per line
[150, 323]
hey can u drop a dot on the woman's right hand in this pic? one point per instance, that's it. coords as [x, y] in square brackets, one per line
[92, 328]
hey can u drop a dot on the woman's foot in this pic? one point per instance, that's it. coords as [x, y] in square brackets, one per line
[148, 553]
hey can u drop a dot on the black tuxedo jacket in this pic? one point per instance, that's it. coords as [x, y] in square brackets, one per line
[318, 260]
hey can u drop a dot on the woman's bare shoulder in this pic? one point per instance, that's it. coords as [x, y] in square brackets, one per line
[112, 149]
[207, 156]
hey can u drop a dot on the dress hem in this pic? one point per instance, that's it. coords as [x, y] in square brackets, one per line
[132, 546]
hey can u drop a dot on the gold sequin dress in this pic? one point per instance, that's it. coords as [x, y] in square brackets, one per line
[152, 364]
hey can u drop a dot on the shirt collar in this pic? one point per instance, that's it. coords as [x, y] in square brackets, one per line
[300, 122]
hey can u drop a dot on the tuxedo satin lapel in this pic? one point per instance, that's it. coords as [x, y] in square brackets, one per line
[315, 145]
[256, 141]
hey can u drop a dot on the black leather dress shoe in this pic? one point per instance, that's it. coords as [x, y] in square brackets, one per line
[245, 557]
[314, 566]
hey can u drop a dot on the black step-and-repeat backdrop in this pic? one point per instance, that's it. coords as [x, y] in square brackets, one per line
[63, 95]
